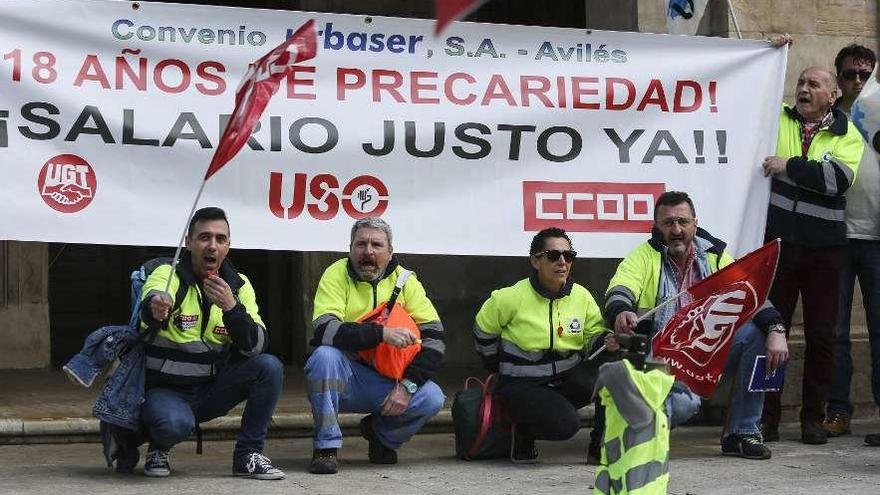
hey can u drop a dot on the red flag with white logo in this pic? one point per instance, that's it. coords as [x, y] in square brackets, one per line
[450, 10]
[260, 83]
[696, 340]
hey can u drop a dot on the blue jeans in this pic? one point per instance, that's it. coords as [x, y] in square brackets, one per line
[744, 409]
[169, 415]
[863, 262]
[338, 384]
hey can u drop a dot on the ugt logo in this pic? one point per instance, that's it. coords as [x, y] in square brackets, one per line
[709, 326]
[67, 183]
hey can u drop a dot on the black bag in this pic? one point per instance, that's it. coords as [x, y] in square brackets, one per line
[481, 429]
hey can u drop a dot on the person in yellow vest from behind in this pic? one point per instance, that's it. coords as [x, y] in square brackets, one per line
[635, 450]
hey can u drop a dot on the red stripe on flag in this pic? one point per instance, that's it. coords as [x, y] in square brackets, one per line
[447, 11]
[257, 87]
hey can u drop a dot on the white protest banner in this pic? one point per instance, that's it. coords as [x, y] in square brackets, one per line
[466, 144]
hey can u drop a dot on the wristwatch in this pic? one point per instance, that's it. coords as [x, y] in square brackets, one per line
[409, 385]
[777, 328]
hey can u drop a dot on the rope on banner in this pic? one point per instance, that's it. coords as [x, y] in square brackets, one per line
[732, 11]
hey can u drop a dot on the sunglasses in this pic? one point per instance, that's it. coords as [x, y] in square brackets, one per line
[851, 74]
[553, 255]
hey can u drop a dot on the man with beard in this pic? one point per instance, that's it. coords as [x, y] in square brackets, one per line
[817, 156]
[339, 381]
[208, 355]
[678, 255]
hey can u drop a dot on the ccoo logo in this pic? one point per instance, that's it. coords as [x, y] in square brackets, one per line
[67, 183]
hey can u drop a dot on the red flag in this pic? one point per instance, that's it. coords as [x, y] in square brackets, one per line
[450, 10]
[696, 340]
[256, 89]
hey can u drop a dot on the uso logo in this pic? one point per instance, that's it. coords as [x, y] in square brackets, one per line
[590, 206]
[67, 183]
[322, 195]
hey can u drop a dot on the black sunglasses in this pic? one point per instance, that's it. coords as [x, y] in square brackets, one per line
[851, 74]
[553, 255]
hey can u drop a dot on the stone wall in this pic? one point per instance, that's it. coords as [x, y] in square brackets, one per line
[24, 305]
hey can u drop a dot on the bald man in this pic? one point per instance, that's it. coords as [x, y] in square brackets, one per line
[817, 155]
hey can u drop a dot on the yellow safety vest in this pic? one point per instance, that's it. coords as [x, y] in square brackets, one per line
[635, 450]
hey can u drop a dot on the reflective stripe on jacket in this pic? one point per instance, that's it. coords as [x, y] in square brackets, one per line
[532, 334]
[635, 450]
[638, 282]
[807, 202]
[342, 298]
[197, 339]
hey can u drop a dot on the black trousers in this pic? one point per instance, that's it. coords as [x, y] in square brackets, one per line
[548, 410]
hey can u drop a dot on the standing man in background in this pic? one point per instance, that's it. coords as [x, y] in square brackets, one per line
[817, 156]
[854, 65]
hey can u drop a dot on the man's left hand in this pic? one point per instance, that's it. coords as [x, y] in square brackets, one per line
[396, 402]
[777, 350]
[774, 165]
[219, 292]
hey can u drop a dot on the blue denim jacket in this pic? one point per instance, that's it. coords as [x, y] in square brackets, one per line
[120, 401]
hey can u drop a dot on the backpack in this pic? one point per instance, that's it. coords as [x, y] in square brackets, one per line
[138, 278]
[482, 430]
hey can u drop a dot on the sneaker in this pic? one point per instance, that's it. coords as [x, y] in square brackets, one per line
[255, 465]
[158, 464]
[769, 433]
[836, 425]
[378, 452]
[813, 434]
[744, 445]
[522, 448]
[324, 462]
[872, 439]
[127, 458]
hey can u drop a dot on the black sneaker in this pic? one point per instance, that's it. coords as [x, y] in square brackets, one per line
[744, 445]
[255, 465]
[872, 439]
[324, 462]
[378, 452]
[813, 434]
[158, 464]
[127, 458]
[522, 448]
[769, 433]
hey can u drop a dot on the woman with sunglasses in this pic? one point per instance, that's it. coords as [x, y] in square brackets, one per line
[535, 334]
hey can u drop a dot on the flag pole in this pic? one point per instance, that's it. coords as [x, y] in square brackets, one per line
[176, 258]
[266, 73]
[641, 319]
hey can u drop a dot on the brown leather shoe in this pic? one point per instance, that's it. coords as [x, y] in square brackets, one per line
[837, 424]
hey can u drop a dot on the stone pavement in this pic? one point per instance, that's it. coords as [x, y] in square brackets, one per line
[47, 445]
[427, 466]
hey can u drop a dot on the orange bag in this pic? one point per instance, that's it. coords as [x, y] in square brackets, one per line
[388, 360]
